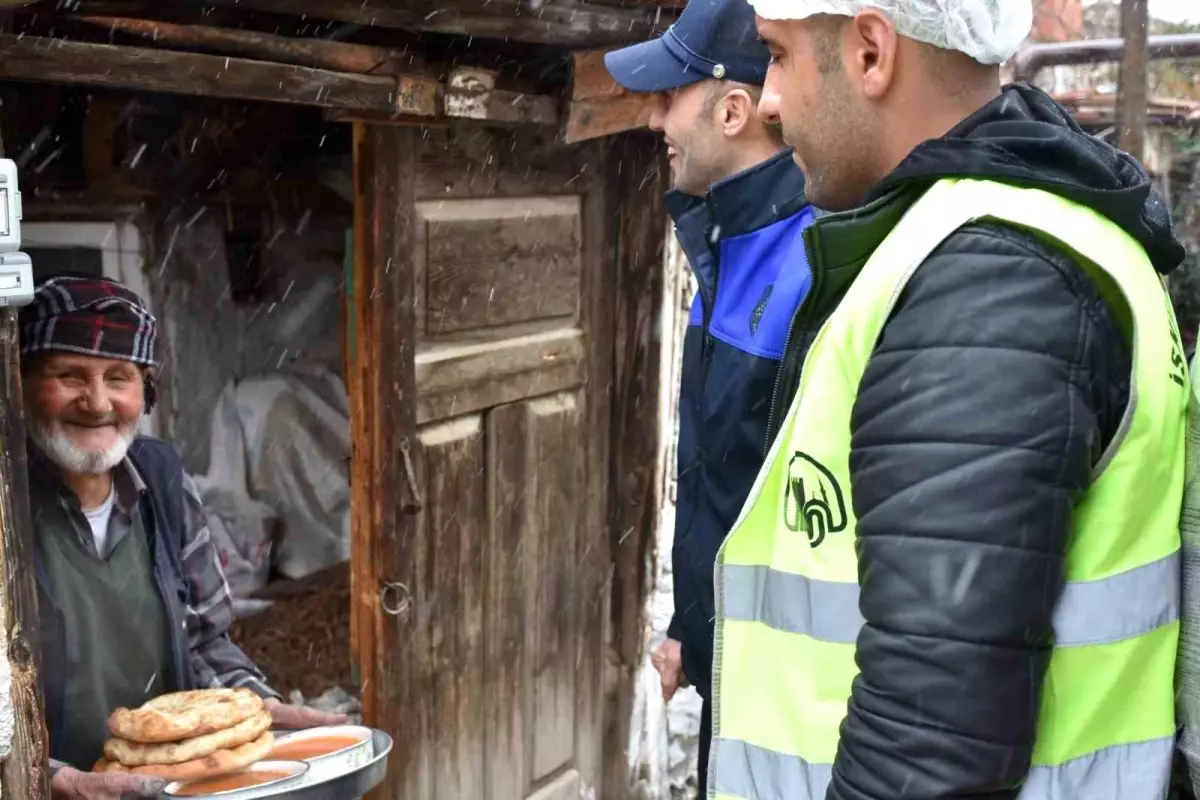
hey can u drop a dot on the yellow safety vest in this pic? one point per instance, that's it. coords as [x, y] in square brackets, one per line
[787, 575]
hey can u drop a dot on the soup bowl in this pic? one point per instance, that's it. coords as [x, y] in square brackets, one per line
[264, 779]
[329, 751]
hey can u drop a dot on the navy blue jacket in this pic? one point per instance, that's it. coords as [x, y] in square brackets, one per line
[744, 244]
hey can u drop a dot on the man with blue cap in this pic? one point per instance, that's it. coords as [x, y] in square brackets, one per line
[739, 208]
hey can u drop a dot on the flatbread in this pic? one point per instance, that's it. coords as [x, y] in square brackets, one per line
[135, 754]
[219, 763]
[184, 715]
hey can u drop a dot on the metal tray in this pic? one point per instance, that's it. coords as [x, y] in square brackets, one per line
[342, 787]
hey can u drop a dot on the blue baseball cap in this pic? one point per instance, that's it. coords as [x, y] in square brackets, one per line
[711, 39]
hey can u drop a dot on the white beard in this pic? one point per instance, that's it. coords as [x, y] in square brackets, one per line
[56, 444]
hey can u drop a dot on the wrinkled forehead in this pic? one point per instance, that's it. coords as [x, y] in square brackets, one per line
[57, 362]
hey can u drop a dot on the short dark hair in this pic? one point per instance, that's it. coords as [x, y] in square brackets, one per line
[721, 88]
[827, 49]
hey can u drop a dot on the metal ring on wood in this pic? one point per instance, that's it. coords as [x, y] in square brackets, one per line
[400, 598]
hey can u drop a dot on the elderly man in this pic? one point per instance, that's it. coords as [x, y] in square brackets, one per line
[132, 600]
[739, 208]
[958, 572]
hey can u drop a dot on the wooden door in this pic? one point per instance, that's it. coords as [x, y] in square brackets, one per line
[483, 553]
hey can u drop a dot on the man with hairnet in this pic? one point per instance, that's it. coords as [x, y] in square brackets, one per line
[957, 574]
[739, 209]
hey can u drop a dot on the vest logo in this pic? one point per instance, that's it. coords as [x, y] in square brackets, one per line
[757, 314]
[813, 500]
[1178, 371]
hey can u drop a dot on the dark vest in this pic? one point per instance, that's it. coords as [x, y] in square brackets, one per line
[162, 517]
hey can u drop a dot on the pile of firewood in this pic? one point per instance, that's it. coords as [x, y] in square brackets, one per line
[302, 642]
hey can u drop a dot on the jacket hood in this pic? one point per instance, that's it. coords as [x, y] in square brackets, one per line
[1024, 138]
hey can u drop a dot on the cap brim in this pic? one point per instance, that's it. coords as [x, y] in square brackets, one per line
[650, 67]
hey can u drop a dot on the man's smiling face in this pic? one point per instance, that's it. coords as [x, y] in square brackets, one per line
[83, 411]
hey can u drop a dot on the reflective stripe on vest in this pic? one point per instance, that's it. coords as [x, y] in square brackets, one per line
[786, 578]
[1115, 773]
[1088, 612]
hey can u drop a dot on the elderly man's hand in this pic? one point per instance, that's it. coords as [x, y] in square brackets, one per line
[71, 784]
[298, 717]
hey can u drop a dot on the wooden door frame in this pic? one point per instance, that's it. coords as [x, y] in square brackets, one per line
[385, 484]
[636, 186]
[625, 279]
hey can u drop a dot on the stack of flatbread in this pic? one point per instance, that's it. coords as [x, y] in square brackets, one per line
[189, 735]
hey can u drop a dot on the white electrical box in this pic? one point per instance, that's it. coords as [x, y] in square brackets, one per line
[16, 280]
[16, 270]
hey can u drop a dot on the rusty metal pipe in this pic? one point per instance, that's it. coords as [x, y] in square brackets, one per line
[1031, 60]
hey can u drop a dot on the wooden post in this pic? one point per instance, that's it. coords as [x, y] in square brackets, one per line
[386, 457]
[1131, 98]
[636, 182]
[24, 771]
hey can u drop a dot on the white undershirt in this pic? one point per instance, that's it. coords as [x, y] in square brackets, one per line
[98, 518]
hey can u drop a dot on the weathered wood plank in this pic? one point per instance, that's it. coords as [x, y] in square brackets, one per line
[457, 379]
[590, 79]
[466, 160]
[560, 22]
[23, 773]
[637, 182]
[494, 262]
[563, 787]
[33, 58]
[319, 53]
[471, 93]
[592, 119]
[592, 551]
[506, 690]
[454, 463]
[598, 105]
[386, 461]
[556, 474]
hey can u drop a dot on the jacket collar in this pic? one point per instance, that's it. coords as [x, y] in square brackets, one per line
[752, 199]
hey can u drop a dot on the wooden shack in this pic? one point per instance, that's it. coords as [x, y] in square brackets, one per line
[496, 243]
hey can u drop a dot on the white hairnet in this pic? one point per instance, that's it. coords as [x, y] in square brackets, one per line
[989, 31]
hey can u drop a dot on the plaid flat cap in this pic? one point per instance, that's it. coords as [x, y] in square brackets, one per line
[91, 316]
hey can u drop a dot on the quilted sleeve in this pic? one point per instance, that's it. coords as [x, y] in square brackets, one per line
[993, 389]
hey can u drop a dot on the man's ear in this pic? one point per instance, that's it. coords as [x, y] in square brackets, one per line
[149, 390]
[735, 111]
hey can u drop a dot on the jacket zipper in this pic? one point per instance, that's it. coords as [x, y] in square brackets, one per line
[708, 307]
[706, 351]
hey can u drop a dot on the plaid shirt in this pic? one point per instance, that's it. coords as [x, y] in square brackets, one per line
[216, 661]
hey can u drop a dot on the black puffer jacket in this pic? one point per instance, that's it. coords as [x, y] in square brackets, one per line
[997, 382]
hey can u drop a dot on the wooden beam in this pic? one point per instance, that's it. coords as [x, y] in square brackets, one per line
[377, 118]
[1132, 83]
[472, 94]
[591, 119]
[598, 106]
[319, 53]
[559, 22]
[33, 58]
[590, 79]
[25, 745]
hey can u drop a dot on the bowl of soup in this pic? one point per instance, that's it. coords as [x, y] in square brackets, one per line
[328, 751]
[258, 780]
